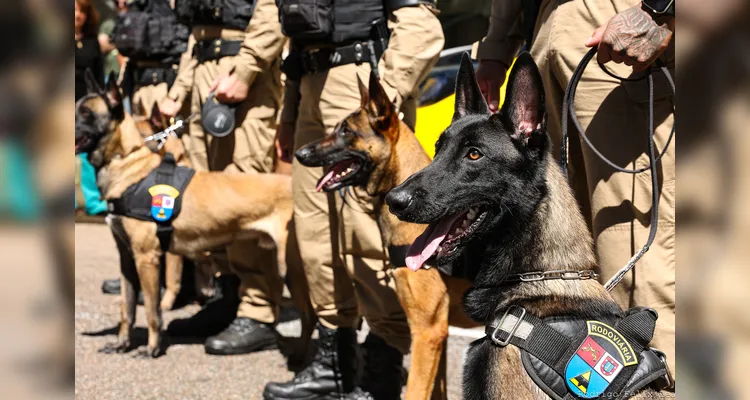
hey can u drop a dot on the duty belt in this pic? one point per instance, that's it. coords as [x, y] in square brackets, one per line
[155, 75]
[214, 49]
[323, 59]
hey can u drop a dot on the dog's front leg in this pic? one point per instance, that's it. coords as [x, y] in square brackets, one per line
[173, 275]
[129, 297]
[424, 297]
[147, 264]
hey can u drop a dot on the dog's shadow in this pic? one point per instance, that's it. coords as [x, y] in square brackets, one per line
[139, 338]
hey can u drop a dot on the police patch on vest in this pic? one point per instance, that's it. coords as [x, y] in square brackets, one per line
[599, 359]
[162, 201]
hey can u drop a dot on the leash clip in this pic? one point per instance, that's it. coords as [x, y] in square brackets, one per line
[171, 130]
[512, 331]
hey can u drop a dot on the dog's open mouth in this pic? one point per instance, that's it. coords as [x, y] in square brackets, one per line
[81, 143]
[339, 174]
[444, 237]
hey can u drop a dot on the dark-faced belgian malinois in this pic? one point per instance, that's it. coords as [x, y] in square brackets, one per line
[497, 203]
[217, 208]
[373, 149]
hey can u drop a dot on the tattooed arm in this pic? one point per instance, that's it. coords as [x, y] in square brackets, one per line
[633, 37]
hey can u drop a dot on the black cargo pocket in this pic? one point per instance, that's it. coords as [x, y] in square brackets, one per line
[306, 19]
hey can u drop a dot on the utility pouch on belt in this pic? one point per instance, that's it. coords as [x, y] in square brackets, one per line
[157, 198]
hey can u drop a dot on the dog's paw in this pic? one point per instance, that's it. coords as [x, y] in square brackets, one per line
[145, 353]
[115, 348]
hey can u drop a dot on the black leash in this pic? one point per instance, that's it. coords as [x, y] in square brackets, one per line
[569, 108]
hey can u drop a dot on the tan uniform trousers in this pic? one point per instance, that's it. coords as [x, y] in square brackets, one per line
[614, 115]
[146, 96]
[248, 150]
[340, 243]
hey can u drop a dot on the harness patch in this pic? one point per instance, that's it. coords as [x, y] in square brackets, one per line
[597, 362]
[162, 201]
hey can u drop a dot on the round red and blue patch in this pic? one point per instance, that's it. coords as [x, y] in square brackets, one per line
[598, 360]
[162, 201]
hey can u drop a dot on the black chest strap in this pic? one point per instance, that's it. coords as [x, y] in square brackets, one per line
[548, 345]
[137, 201]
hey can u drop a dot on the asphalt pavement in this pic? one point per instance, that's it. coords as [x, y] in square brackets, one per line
[185, 371]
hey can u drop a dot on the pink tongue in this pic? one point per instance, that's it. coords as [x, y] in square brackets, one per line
[325, 179]
[427, 243]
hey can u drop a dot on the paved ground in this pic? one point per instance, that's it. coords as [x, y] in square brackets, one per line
[185, 372]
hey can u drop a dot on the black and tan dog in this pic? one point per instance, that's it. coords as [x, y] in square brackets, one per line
[217, 208]
[373, 149]
[498, 205]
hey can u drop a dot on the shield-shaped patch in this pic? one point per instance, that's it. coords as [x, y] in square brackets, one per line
[162, 201]
[598, 360]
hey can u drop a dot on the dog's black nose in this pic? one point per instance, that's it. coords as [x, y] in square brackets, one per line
[302, 153]
[398, 200]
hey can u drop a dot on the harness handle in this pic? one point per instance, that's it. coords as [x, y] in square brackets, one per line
[568, 108]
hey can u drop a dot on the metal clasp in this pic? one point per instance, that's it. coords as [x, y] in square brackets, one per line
[667, 376]
[512, 332]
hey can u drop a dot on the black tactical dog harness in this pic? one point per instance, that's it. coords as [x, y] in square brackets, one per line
[572, 358]
[156, 198]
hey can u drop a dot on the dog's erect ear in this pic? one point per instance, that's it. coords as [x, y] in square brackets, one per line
[524, 99]
[158, 121]
[382, 108]
[364, 97]
[114, 97]
[91, 85]
[469, 99]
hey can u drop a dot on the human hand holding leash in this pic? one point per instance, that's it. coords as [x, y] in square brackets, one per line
[229, 89]
[169, 107]
[491, 76]
[633, 37]
[284, 141]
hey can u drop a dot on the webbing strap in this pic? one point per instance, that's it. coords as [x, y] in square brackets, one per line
[517, 327]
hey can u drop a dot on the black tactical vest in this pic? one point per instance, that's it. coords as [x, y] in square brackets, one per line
[234, 14]
[325, 22]
[150, 31]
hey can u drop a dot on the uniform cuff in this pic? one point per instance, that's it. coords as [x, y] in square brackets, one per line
[177, 94]
[245, 74]
[497, 51]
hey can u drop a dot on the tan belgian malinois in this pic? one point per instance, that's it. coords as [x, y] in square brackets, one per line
[373, 149]
[217, 208]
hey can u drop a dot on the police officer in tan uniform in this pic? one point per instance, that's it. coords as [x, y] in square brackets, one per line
[236, 47]
[340, 244]
[154, 57]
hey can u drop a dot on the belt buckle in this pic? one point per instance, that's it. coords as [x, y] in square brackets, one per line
[506, 341]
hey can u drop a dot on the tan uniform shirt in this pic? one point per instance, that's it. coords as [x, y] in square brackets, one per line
[405, 63]
[262, 42]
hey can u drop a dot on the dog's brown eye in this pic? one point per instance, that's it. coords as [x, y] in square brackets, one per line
[474, 154]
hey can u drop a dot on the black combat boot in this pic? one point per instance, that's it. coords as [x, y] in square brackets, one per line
[331, 374]
[111, 286]
[383, 373]
[244, 335]
[218, 312]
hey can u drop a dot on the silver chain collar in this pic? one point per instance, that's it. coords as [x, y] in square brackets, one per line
[548, 275]
[161, 137]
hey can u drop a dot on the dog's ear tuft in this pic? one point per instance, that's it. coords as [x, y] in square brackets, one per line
[114, 98]
[158, 121]
[364, 97]
[381, 107]
[92, 86]
[524, 99]
[469, 99]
